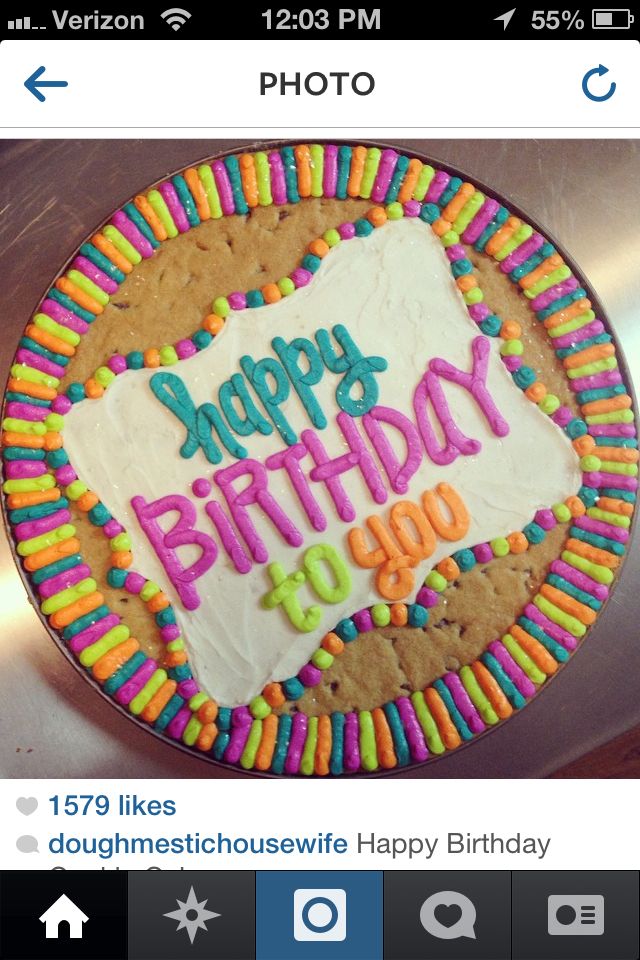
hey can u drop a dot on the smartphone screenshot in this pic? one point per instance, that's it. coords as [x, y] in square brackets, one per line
[319, 567]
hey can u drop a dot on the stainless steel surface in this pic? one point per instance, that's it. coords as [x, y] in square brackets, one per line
[587, 193]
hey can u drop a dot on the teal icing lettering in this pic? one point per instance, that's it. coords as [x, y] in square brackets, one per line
[169, 389]
[356, 369]
[289, 354]
[236, 388]
[172, 393]
[270, 396]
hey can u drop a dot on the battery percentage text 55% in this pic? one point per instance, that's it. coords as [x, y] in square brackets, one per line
[554, 19]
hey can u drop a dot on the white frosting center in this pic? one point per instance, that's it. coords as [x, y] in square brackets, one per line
[395, 294]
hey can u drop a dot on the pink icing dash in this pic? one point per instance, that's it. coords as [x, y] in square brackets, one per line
[557, 633]
[170, 631]
[602, 529]
[61, 404]
[134, 685]
[237, 300]
[129, 230]
[296, 743]
[93, 632]
[185, 349]
[278, 181]
[437, 186]
[225, 191]
[478, 311]
[608, 378]
[512, 363]
[63, 580]
[177, 726]
[34, 528]
[413, 730]
[301, 277]
[95, 274]
[363, 620]
[241, 717]
[68, 319]
[546, 298]
[347, 231]
[188, 688]
[388, 160]
[23, 355]
[481, 221]
[27, 411]
[612, 430]
[238, 737]
[117, 363]
[351, 743]
[545, 519]
[455, 252]
[511, 668]
[482, 552]
[522, 253]
[134, 583]
[330, 171]
[427, 597]
[310, 675]
[562, 416]
[579, 579]
[577, 336]
[603, 479]
[66, 475]
[176, 209]
[23, 469]
[463, 702]
[112, 528]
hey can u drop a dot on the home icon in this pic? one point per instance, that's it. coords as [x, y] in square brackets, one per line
[63, 910]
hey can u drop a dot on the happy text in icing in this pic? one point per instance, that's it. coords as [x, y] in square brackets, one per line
[209, 426]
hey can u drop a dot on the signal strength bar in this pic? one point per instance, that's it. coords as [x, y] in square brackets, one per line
[23, 23]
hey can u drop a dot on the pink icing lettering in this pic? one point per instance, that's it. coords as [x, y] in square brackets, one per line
[289, 459]
[475, 382]
[255, 492]
[429, 389]
[227, 534]
[338, 494]
[359, 457]
[181, 534]
[399, 474]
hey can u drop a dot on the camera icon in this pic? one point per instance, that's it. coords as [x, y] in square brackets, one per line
[319, 915]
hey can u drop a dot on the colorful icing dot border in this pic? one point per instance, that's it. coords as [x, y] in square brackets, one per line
[39, 480]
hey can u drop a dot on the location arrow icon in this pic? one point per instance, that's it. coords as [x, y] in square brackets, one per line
[33, 82]
[506, 17]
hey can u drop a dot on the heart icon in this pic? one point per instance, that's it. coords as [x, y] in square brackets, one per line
[27, 805]
[447, 915]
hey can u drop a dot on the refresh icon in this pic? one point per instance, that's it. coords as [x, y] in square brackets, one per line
[600, 71]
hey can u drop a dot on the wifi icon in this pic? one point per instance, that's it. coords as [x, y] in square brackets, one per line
[176, 17]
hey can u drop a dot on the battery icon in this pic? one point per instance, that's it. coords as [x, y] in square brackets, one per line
[611, 19]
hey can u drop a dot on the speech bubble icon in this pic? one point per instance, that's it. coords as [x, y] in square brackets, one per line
[27, 844]
[449, 902]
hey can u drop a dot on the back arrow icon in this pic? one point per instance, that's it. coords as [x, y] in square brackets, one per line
[33, 82]
[600, 70]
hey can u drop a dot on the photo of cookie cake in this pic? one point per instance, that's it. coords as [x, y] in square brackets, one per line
[319, 459]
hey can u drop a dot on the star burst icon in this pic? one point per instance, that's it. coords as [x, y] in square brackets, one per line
[191, 915]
